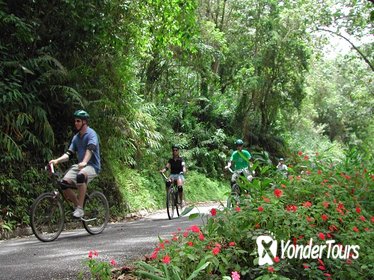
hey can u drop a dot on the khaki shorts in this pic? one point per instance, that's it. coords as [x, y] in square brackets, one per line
[71, 175]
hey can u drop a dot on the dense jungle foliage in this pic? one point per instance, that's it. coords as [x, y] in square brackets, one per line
[200, 73]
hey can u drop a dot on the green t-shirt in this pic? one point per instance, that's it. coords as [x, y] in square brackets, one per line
[240, 160]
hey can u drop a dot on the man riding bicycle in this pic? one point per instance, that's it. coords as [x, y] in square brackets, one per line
[240, 160]
[85, 144]
[177, 168]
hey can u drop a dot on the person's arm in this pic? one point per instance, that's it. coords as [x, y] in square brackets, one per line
[184, 167]
[167, 166]
[228, 165]
[86, 159]
[91, 147]
[63, 158]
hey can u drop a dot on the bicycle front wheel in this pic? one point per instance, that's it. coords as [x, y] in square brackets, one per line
[96, 213]
[170, 203]
[234, 198]
[178, 203]
[47, 217]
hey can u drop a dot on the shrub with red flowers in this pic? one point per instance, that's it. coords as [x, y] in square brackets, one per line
[332, 201]
[99, 269]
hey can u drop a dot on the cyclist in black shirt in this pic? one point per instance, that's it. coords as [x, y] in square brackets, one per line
[177, 169]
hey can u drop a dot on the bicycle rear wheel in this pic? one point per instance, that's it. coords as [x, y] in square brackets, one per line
[96, 212]
[47, 217]
[170, 202]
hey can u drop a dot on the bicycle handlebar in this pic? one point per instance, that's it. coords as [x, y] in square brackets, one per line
[50, 167]
[163, 175]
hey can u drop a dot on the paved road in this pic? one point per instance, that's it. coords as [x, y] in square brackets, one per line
[28, 258]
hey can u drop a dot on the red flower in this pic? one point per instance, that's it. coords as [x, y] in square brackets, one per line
[362, 218]
[113, 262]
[266, 199]
[166, 259]
[185, 234]
[213, 211]
[325, 204]
[300, 153]
[283, 186]
[232, 243]
[216, 250]
[278, 193]
[271, 269]
[291, 208]
[307, 204]
[321, 236]
[260, 208]
[276, 259]
[190, 243]
[201, 236]
[237, 209]
[321, 267]
[306, 266]
[324, 217]
[195, 228]
[306, 157]
[358, 210]
[154, 255]
[372, 219]
[355, 229]
[319, 172]
[333, 228]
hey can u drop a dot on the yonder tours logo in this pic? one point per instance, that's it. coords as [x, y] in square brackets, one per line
[267, 248]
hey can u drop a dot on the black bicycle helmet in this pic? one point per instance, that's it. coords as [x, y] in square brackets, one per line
[81, 114]
[175, 146]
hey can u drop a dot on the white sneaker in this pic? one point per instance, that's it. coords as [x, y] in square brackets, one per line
[78, 213]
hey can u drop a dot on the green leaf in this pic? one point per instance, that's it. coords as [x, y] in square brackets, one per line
[197, 271]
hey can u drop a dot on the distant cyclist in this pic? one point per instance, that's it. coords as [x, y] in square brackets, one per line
[240, 161]
[282, 167]
[85, 144]
[177, 168]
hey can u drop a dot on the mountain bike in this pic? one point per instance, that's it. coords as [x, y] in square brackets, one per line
[47, 217]
[234, 197]
[173, 203]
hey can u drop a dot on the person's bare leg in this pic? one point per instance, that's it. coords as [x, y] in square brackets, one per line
[180, 193]
[70, 195]
[82, 188]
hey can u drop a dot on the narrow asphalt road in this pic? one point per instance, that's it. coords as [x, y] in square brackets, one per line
[28, 258]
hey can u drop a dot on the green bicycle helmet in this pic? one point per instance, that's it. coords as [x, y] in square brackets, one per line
[81, 114]
[239, 142]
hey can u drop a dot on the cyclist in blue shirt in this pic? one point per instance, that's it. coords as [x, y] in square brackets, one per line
[85, 144]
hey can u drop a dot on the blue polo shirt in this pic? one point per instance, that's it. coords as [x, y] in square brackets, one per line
[80, 143]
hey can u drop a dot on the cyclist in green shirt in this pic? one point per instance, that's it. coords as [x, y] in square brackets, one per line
[240, 160]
